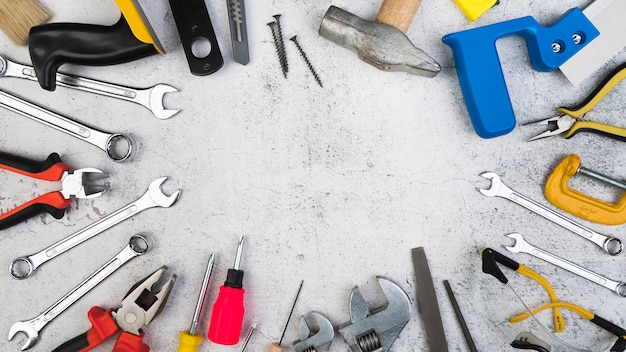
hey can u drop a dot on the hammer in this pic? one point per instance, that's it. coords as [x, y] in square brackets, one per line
[383, 43]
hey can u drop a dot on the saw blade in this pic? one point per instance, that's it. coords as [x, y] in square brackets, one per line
[608, 17]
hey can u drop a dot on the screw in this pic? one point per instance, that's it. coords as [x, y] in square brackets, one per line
[280, 48]
[577, 38]
[306, 59]
[556, 47]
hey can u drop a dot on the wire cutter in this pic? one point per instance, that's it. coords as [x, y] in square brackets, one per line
[144, 302]
[74, 184]
[569, 124]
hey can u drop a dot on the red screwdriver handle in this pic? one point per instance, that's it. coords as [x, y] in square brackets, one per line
[227, 316]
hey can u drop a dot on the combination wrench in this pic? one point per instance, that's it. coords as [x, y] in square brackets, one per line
[150, 98]
[24, 267]
[521, 246]
[117, 146]
[138, 245]
[610, 245]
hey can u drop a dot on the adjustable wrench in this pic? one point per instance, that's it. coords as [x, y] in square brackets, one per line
[138, 245]
[521, 246]
[117, 146]
[317, 342]
[151, 98]
[611, 245]
[24, 267]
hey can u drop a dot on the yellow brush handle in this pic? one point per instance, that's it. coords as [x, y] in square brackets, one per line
[138, 23]
[188, 342]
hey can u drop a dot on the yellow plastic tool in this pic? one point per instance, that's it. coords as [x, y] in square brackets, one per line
[473, 9]
[580, 204]
[188, 342]
[138, 23]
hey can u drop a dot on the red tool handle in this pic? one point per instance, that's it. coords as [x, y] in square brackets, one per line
[103, 326]
[52, 203]
[227, 316]
[51, 169]
[128, 342]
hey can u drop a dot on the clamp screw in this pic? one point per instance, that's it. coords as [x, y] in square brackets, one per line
[306, 60]
[280, 45]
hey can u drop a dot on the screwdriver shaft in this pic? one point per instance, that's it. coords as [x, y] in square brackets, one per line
[239, 252]
[201, 296]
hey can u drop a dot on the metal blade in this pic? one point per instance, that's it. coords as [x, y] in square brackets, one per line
[608, 17]
[427, 302]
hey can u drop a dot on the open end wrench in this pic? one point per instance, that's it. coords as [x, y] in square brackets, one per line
[117, 146]
[521, 246]
[138, 245]
[24, 267]
[318, 341]
[610, 245]
[151, 98]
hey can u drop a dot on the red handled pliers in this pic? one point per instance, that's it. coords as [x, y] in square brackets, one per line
[145, 300]
[74, 184]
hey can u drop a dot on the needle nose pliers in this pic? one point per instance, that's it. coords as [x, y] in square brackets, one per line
[141, 305]
[74, 184]
[569, 124]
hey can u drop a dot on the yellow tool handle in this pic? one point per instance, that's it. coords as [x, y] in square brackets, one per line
[188, 342]
[614, 132]
[398, 13]
[138, 23]
[473, 9]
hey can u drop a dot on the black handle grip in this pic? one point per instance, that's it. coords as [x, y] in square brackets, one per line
[74, 345]
[29, 165]
[7, 220]
[51, 45]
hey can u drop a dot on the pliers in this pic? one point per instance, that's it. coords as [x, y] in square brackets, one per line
[74, 184]
[569, 124]
[144, 302]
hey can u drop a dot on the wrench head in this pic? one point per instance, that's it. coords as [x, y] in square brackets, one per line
[496, 182]
[519, 243]
[160, 198]
[32, 335]
[156, 101]
[319, 341]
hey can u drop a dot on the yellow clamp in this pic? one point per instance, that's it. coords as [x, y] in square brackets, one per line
[577, 203]
[473, 9]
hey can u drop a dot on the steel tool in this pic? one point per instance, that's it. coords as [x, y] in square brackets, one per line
[521, 246]
[460, 318]
[611, 245]
[582, 205]
[24, 267]
[74, 184]
[318, 341]
[606, 15]
[141, 305]
[138, 245]
[376, 330]
[151, 98]
[278, 346]
[569, 123]
[248, 337]
[117, 146]
[238, 30]
[382, 44]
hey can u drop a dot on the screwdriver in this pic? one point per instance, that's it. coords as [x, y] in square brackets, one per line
[228, 310]
[189, 340]
[278, 347]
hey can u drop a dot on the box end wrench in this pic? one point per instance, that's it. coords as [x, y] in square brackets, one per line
[24, 267]
[521, 246]
[150, 98]
[138, 245]
[314, 342]
[610, 245]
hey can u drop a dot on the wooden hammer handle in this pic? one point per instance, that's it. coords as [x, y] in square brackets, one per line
[398, 13]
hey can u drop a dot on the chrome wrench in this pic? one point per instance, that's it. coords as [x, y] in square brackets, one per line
[24, 267]
[521, 246]
[610, 245]
[151, 98]
[138, 245]
[117, 146]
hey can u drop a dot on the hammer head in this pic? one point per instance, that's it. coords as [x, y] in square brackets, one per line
[381, 45]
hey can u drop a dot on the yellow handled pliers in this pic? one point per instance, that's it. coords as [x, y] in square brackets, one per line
[569, 124]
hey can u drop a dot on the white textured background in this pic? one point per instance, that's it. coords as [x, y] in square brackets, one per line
[330, 185]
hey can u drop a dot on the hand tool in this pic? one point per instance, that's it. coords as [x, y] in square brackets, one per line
[611, 245]
[279, 44]
[579, 204]
[151, 98]
[228, 309]
[527, 341]
[427, 302]
[376, 330]
[248, 336]
[197, 36]
[190, 340]
[521, 246]
[568, 123]
[74, 184]
[140, 306]
[138, 245]
[314, 342]
[459, 316]
[605, 15]
[382, 44]
[473, 9]
[24, 267]
[278, 347]
[117, 146]
[54, 44]
[479, 69]
[238, 30]
[18, 17]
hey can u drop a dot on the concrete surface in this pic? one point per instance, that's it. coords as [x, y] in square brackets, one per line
[332, 185]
